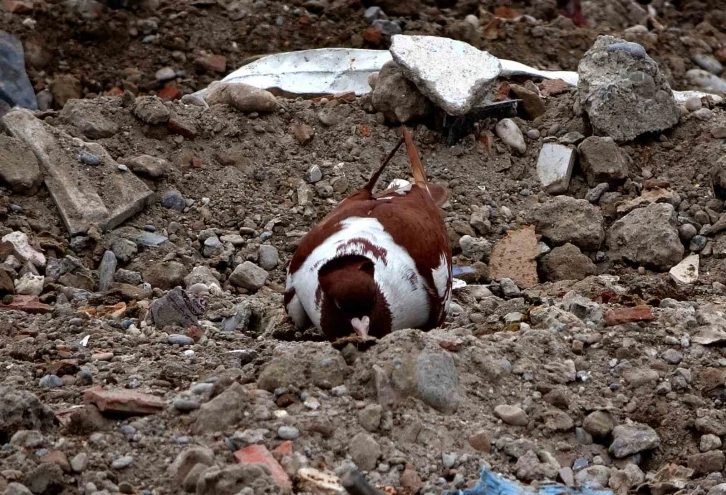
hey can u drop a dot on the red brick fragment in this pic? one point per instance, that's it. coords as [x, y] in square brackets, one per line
[285, 448]
[213, 63]
[169, 93]
[258, 454]
[124, 401]
[621, 316]
[373, 36]
[28, 304]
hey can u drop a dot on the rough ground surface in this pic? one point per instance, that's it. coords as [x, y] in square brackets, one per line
[607, 380]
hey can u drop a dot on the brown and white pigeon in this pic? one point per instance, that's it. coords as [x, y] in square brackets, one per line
[377, 263]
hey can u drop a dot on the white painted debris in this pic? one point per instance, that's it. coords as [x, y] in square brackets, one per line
[686, 272]
[554, 167]
[84, 340]
[512, 68]
[458, 284]
[510, 133]
[22, 246]
[453, 74]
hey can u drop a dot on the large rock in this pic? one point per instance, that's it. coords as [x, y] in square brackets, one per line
[623, 90]
[19, 167]
[452, 74]
[398, 98]
[85, 195]
[602, 160]
[87, 117]
[633, 438]
[647, 236]
[564, 219]
[566, 263]
[22, 410]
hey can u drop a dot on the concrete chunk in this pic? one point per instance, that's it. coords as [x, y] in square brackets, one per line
[453, 74]
[84, 195]
[554, 167]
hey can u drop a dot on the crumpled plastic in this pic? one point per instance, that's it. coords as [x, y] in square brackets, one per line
[493, 484]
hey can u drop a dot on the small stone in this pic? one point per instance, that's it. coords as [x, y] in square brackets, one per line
[243, 97]
[124, 250]
[124, 401]
[602, 160]
[512, 415]
[51, 381]
[566, 263]
[269, 257]
[185, 405]
[249, 276]
[481, 441]
[672, 356]
[370, 417]
[173, 200]
[122, 462]
[151, 110]
[303, 133]
[314, 174]
[23, 249]
[288, 432]
[147, 165]
[687, 232]
[709, 442]
[532, 104]
[599, 423]
[397, 97]
[180, 340]
[686, 272]
[565, 220]
[212, 63]
[707, 462]
[698, 243]
[19, 168]
[633, 438]
[165, 74]
[364, 451]
[475, 248]
[509, 288]
[79, 462]
[511, 135]
[554, 167]
[106, 271]
[29, 284]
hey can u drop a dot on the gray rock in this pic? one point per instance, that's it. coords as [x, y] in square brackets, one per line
[512, 415]
[370, 417]
[185, 405]
[452, 74]
[599, 423]
[201, 275]
[249, 276]
[225, 410]
[566, 263]
[239, 479]
[706, 81]
[386, 27]
[709, 442]
[30, 439]
[125, 250]
[564, 219]
[17, 489]
[647, 236]
[181, 340]
[243, 97]
[509, 288]
[186, 460]
[45, 479]
[106, 271]
[151, 110]
[475, 248]
[633, 438]
[212, 247]
[623, 90]
[150, 239]
[554, 167]
[165, 74]
[13, 76]
[19, 168]
[165, 275]
[398, 98]
[148, 166]
[50, 381]
[364, 451]
[127, 277]
[87, 117]
[708, 62]
[324, 367]
[79, 462]
[173, 200]
[438, 381]
[100, 196]
[268, 257]
[593, 477]
[288, 432]
[602, 160]
[687, 232]
[176, 308]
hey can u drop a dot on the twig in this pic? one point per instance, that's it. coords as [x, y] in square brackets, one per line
[372, 182]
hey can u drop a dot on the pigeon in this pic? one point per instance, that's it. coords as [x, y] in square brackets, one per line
[377, 263]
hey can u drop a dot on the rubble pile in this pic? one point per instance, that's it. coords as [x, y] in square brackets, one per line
[144, 241]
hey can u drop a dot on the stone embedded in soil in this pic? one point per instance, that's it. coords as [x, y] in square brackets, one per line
[512, 415]
[223, 411]
[173, 200]
[452, 74]
[151, 110]
[124, 401]
[686, 272]
[566, 263]
[186, 460]
[438, 381]
[564, 219]
[243, 97]
[707, 462]
[19, 168]
[398, 98]
[249, 276]
[165, 275]
[86, 116]
[22, 410]
[513, 257]
[65, 88]
[176, 308]
[647, 236]
[252, 479]
[45, 479]
[149, 166]
[323, 367]
[511, 135]
[623, 90]
[602, 160]
[709, 442]
[532, 104]
[364, 451]
[629, 439]
[84, 196]
[370, 417]
[599, 423]
[269, 257]
[475, 248]
[258, 454]
[106, 271]
[554, 167]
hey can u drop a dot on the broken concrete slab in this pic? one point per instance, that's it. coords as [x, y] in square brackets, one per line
[686, 272]
[554, 167]
[19, 168]
[85, 195]
[452, 74]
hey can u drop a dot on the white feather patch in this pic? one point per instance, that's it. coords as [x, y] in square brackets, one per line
[441, 275]
[395, 273]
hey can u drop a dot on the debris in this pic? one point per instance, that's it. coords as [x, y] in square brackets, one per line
[318, 482]
[622, 316]
[686, 272]
[123, 401]
[554, 167]
[19, 168]
[630, 439]
[566, 262]
[177, 307]
[602, 160]
[23, 249]
[243, 97]
[623, 90]
[514, 257]
[249, 276]
[398, 98]
[258, 454]
[510, 133]
[15, 87]
[564, 219]
[27, 304]
[452, 74]
[78, 191]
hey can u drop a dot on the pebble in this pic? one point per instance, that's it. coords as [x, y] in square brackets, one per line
[51, 381]
[185, 405]
[122, 462]
[79, 462]
[88, 158]
[181, 340]
[288, 432]
[165, 74]
[173, 200]
[511, 135]
[511, 415]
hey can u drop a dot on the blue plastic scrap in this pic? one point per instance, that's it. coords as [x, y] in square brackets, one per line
[15, 87]
[493, 484]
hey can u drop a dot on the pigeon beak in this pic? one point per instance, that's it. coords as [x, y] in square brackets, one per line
[360, 325]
